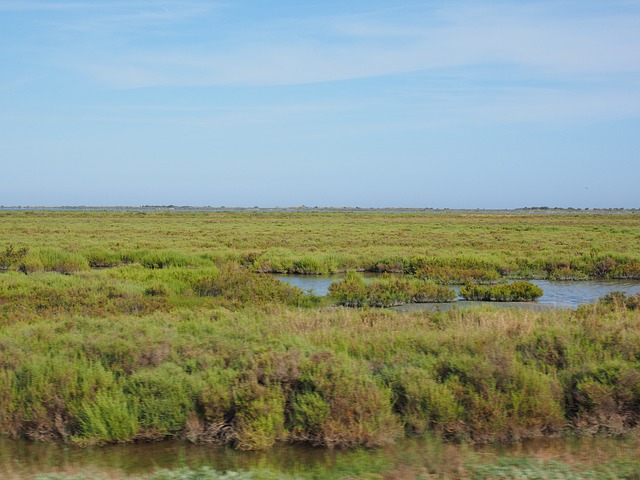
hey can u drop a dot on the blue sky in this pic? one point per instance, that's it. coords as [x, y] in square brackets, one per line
[459, 104]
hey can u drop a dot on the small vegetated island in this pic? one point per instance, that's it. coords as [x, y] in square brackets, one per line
[134, 326]
[509, 292]
[390, 291]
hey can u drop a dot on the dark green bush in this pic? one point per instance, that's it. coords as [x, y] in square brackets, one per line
[62, 261]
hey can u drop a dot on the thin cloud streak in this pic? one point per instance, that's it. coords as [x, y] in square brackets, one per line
[547, 48]
[90, 6]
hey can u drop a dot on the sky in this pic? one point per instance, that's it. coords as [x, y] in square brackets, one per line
[440, 104]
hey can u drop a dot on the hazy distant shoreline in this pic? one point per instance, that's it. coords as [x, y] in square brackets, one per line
[303, 208]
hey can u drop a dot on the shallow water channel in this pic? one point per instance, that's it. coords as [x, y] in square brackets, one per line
[29, 460]
[564, 294]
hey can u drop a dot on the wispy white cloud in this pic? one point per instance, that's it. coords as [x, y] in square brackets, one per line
[93, 18]
[46, 6]
[583, 61]
[347, 49]
[91, 5]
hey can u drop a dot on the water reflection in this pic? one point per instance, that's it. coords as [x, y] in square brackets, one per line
[23, 459]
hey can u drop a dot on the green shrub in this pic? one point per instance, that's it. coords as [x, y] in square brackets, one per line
[603, 397]
[546, 350]
[157, 289]
[240, 285]
[309, 412]
[216, 397]
[387, 291]
[307, 266]
[350, 292]
[50, 294]
[108, 417]
[31, 263]
[46, 393]
[424, 291]
[102, 258]
[260, 414]
[507, 292]
[163, 397]
[352, 409]
[423, 403]
[453, 270]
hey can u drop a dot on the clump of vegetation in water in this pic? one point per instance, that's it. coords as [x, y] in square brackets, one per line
[456, 270]
[387, 291]
[506, 292]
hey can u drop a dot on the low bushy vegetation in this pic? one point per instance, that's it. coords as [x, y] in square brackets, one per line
[11, 257]
[331, 377]
[387, 291]
[505, 292]
[184, 338]
[139, 291]
[25, 298]
[618, 300]
[237, 284]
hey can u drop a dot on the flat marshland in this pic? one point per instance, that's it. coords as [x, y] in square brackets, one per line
[133, 326]
[454, 247]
